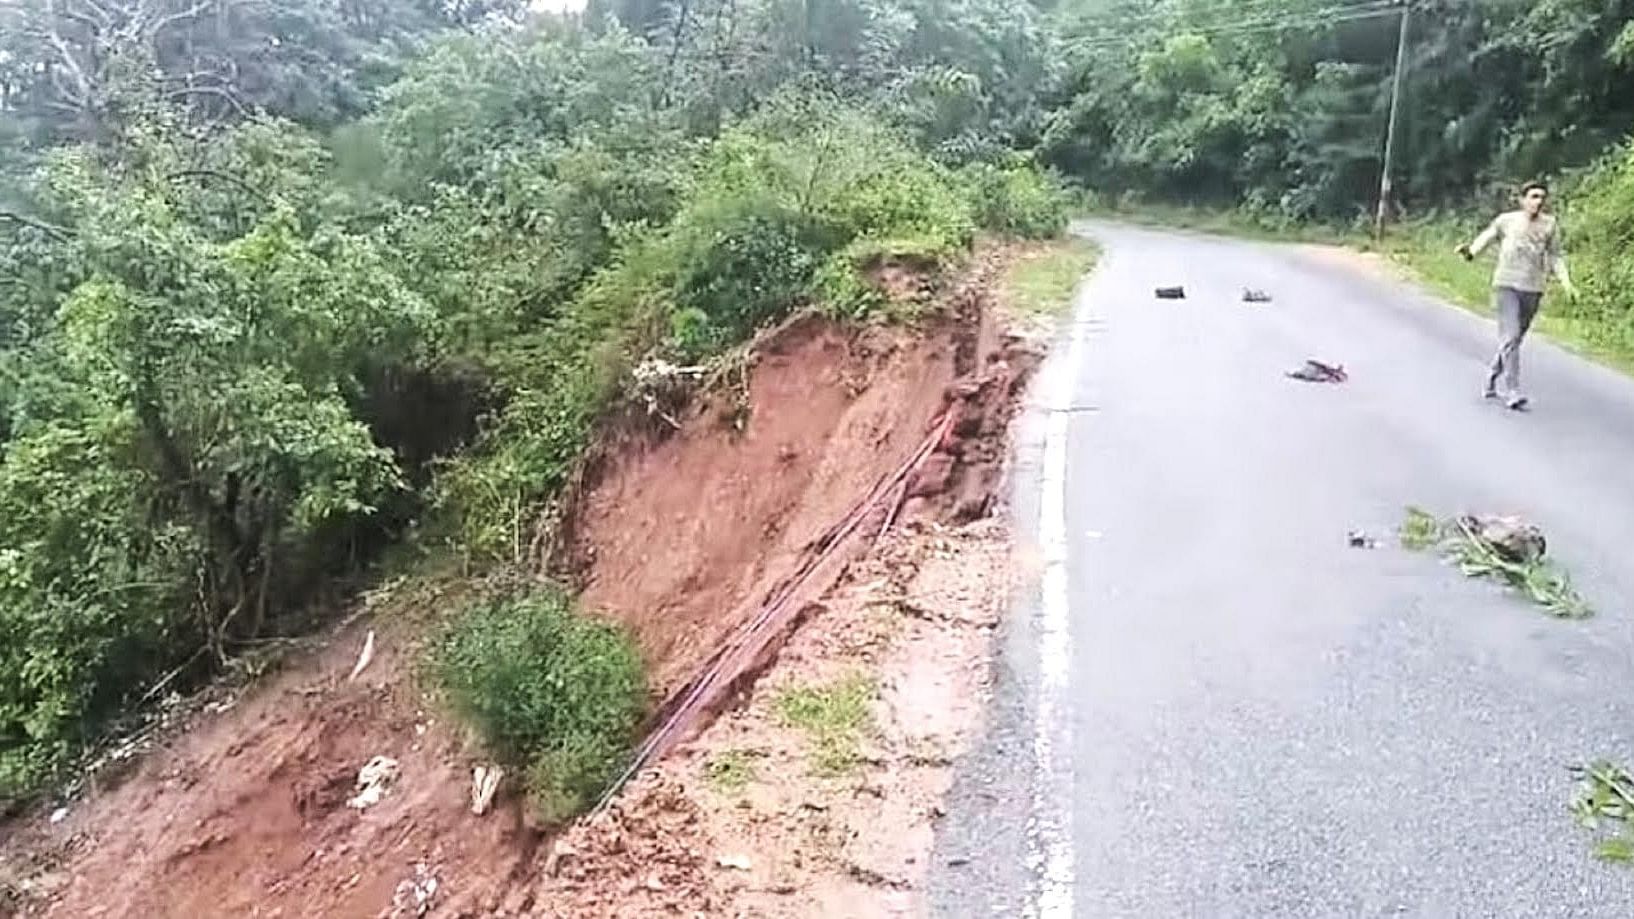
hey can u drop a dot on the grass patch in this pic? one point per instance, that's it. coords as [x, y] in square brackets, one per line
[730, 770]
[554, 692]
[833, 717]
[1605, 801]
[1460, 540]
[1041, 282]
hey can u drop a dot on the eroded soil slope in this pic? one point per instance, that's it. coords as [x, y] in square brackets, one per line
[246, 813]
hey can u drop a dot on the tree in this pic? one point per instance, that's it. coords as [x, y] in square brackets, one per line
[68, 67]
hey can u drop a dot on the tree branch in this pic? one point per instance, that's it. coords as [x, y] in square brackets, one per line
[209, 91]
[103, 17]
[229, 178]
[49, 229]
[163, 22]
[63, 51]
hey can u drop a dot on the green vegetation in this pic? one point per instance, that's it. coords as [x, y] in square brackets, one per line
[1605, 800]
[549, 689]
[1421, 530]
[1041, 282]
[284, 286]
[1268, 120]
[282, 290]
[1463, 541]
[730, 770]
[834, 717]
[1279, 106]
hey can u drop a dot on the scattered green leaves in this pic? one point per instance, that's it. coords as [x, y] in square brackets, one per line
[1536, 578]
[834, 717]
[1421, 530]
[730, 770]
[1605, 801]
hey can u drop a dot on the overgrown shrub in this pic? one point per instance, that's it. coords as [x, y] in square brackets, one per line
[551, 690]
[1599, 229]
[224, 338]
[1016, 199]
[787, 206]
[183, 458]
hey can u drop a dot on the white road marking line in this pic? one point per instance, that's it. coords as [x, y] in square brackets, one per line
[1053, 850]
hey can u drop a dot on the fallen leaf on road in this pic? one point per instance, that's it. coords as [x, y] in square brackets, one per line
[1315, 371]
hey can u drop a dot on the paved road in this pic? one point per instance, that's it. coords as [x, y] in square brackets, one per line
[1208, 704]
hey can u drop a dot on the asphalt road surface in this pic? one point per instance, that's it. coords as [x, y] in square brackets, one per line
[1208, 703]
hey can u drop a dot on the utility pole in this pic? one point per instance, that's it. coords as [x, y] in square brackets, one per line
[1390, 129]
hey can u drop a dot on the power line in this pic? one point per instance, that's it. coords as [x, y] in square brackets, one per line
[1333, 15]
[1213, 15]
[1328, 15]
[1120, 21]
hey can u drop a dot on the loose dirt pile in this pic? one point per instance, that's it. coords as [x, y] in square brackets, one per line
[754, 818]
[246, 814]
[681, 538]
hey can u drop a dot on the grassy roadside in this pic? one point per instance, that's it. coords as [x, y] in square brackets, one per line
[1425, 252]
[1422, 250]
[1041, 279]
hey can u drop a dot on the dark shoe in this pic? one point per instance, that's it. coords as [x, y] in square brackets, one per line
[1518, 403]
[1489, 393]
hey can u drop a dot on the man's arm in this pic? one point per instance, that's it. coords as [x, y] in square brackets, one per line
[1488, 235]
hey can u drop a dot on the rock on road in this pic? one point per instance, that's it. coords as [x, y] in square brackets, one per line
[1208, 704]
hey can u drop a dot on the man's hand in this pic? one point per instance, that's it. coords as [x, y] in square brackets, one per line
[1464, 252]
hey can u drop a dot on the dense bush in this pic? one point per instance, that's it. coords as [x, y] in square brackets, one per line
[182, 445]
[1016, 199]
[1600, 236]
[550, 690]
[782, 209]
[1283, 108]
[239, 355]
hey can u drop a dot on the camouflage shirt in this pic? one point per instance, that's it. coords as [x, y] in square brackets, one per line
[1528, 249]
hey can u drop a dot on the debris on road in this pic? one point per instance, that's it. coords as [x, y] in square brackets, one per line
[1359, 539]
[1511, 537]
[373, 781]
[1171, 293]
[1605, 795]
[1314, 371]
[1255, 295]
[1501, 547]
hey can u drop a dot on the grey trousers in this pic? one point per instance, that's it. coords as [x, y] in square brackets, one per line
[1516, 310]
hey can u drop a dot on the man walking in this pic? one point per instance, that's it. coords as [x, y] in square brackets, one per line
[1528, 250]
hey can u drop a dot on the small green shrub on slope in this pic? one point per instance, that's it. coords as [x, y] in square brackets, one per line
[550, 690]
